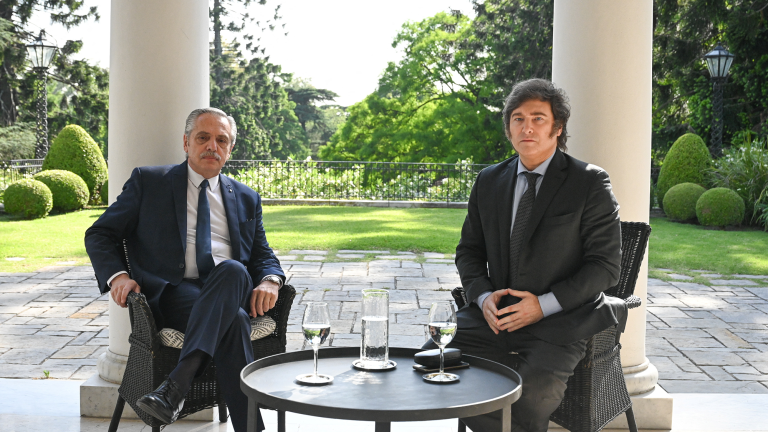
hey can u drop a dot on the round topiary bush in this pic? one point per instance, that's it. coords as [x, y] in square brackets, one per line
[104, 192]
[74, 150]
[69, 191]
[720, 207]
[28, 198]
[680, 201]
[686, 162]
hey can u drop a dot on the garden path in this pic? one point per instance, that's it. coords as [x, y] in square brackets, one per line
[706, 333]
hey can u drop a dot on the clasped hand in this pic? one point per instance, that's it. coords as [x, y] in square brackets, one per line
[526, 312]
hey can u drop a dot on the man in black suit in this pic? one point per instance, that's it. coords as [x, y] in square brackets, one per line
[540, 244]
[199, 254]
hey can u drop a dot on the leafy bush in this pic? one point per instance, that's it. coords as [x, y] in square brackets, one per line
[744, 169]
[69, 191]
[28, 198]
[680, 201]
[74, 150]
[18, 141]
[720, 207]
[686, 162]
[104, 192]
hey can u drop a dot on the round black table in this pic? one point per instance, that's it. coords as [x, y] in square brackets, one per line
[383, 397]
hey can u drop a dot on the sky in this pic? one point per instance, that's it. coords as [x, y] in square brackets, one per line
[340, 45]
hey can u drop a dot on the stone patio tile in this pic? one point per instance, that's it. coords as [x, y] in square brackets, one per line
[717, 373]
[679, 276]
[12, 309]
[45, 275]
[36, 371]
[19, 329]
[747, 377]
[27, 356]
[708, 342]
[19, 320]
[665, 302]
[677, 333]
[413, 272]
[51, 342]
[355, 287]
[6, 317]
[16, 299]
[403, 307]
[754, 356]
[760, 292]
[70, 328]
[742, 276]
[713, 358]
[377, 252]
[743, 369]
[695, 323]
[350, 256]
[685, 386]
[742, 317]
[82, 338]
[690, 286]
[395, 257]
[72, 334]
[666, 312]
[690, 376]
[98, 341]
[702, 301]
[733, 282]
[664, 289]
[305, 268]
[303, 280]
[402, 296]
[17, 287]
[433, 255]
[685, 364]
[282, 258]
[314, 258]
[436, 260]
[416, 317]
[60, 311]
[753, 301]
[753, 335]
[426, 298]
[403, 341]
[78, 283]
[417, 283]
[354, 280]
[384, 263]
[74, 352]
[656, 282]
[711, 275]
[762, 367]
[728, 339]
[355, 272]
[84, 373]
[749, 326]
[663, 364]
[76, 275]
[660, 347]
[307, 252]
[100, 321]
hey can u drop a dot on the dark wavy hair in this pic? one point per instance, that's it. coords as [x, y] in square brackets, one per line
[545, 91]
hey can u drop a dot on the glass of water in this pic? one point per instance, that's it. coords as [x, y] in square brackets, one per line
[374, 344]
[316, 327]
[442, 329]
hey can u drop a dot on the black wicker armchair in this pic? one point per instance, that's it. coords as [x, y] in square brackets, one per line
[597, 392]
[150, 362]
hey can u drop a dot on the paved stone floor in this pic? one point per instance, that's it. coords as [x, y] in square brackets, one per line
[706, 333]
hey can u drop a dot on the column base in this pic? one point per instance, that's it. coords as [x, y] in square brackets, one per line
[98, 398]
[111, 367]
[641, 378]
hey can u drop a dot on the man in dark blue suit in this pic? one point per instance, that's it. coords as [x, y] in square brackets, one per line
[199, 254]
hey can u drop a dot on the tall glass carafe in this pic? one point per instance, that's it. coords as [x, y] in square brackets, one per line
[374, 348]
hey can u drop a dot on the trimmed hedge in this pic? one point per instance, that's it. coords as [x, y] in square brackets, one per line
[104, 192]
[28, 198]
[686, 162]
[680, 201]
[74, 150]
[720, 207]
[69, 191]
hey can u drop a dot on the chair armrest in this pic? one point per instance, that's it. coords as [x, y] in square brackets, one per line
[143, 328]
[282, 310]
[459, 296]
[633, 301]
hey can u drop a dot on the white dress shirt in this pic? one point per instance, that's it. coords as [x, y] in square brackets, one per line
[548, 301]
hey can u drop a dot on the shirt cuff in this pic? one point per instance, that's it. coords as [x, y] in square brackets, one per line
[549, 304]
[280, 283]
[109, 281]
[481, 298]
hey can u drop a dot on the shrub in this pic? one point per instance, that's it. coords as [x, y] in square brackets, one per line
[69, 191]
[720, 207]
[680, 201]
[104, 192]
[74, 150]
[744, 169]
[18, 141]
[686, 162]
[28, 198]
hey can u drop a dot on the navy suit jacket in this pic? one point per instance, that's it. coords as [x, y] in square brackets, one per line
[572, 247]
[151, 215]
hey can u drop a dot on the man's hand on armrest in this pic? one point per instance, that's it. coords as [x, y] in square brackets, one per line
[120, 287]
[264, 297]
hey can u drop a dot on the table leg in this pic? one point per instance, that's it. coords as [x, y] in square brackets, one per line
[280, 421]
[253, 410]
[506, 419]
[383, 426]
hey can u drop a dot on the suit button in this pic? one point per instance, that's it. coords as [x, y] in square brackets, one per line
[181, 265]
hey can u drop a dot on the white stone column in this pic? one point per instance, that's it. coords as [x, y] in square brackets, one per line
[602, 58]
[158, 73]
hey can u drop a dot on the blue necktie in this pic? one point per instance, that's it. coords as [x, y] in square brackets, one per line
[203, 235]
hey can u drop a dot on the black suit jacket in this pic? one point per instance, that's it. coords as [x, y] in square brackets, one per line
[151, 214]
[572, 246]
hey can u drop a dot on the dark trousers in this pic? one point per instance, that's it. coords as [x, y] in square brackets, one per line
[213, 319]
[544, 367]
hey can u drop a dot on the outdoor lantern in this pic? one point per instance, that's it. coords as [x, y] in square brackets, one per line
[41, 55]
[719, 60]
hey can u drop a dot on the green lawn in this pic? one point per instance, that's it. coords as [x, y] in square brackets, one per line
[59, 238]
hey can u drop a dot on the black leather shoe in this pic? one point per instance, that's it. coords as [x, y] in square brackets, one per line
[165, 403]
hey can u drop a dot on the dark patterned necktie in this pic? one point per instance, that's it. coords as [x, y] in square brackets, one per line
[203, 235]
[524, 209]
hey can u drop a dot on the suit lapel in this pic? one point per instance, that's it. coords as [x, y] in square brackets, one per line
[233, 222]
[553, 179]
[180, 201]
[504, 211]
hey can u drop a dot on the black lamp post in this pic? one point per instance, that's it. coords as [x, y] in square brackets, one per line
[719, 60]
[41, 55]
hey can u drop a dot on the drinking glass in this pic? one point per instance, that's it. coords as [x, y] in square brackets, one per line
[442, 329]
[374, 346]
[316, 327]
